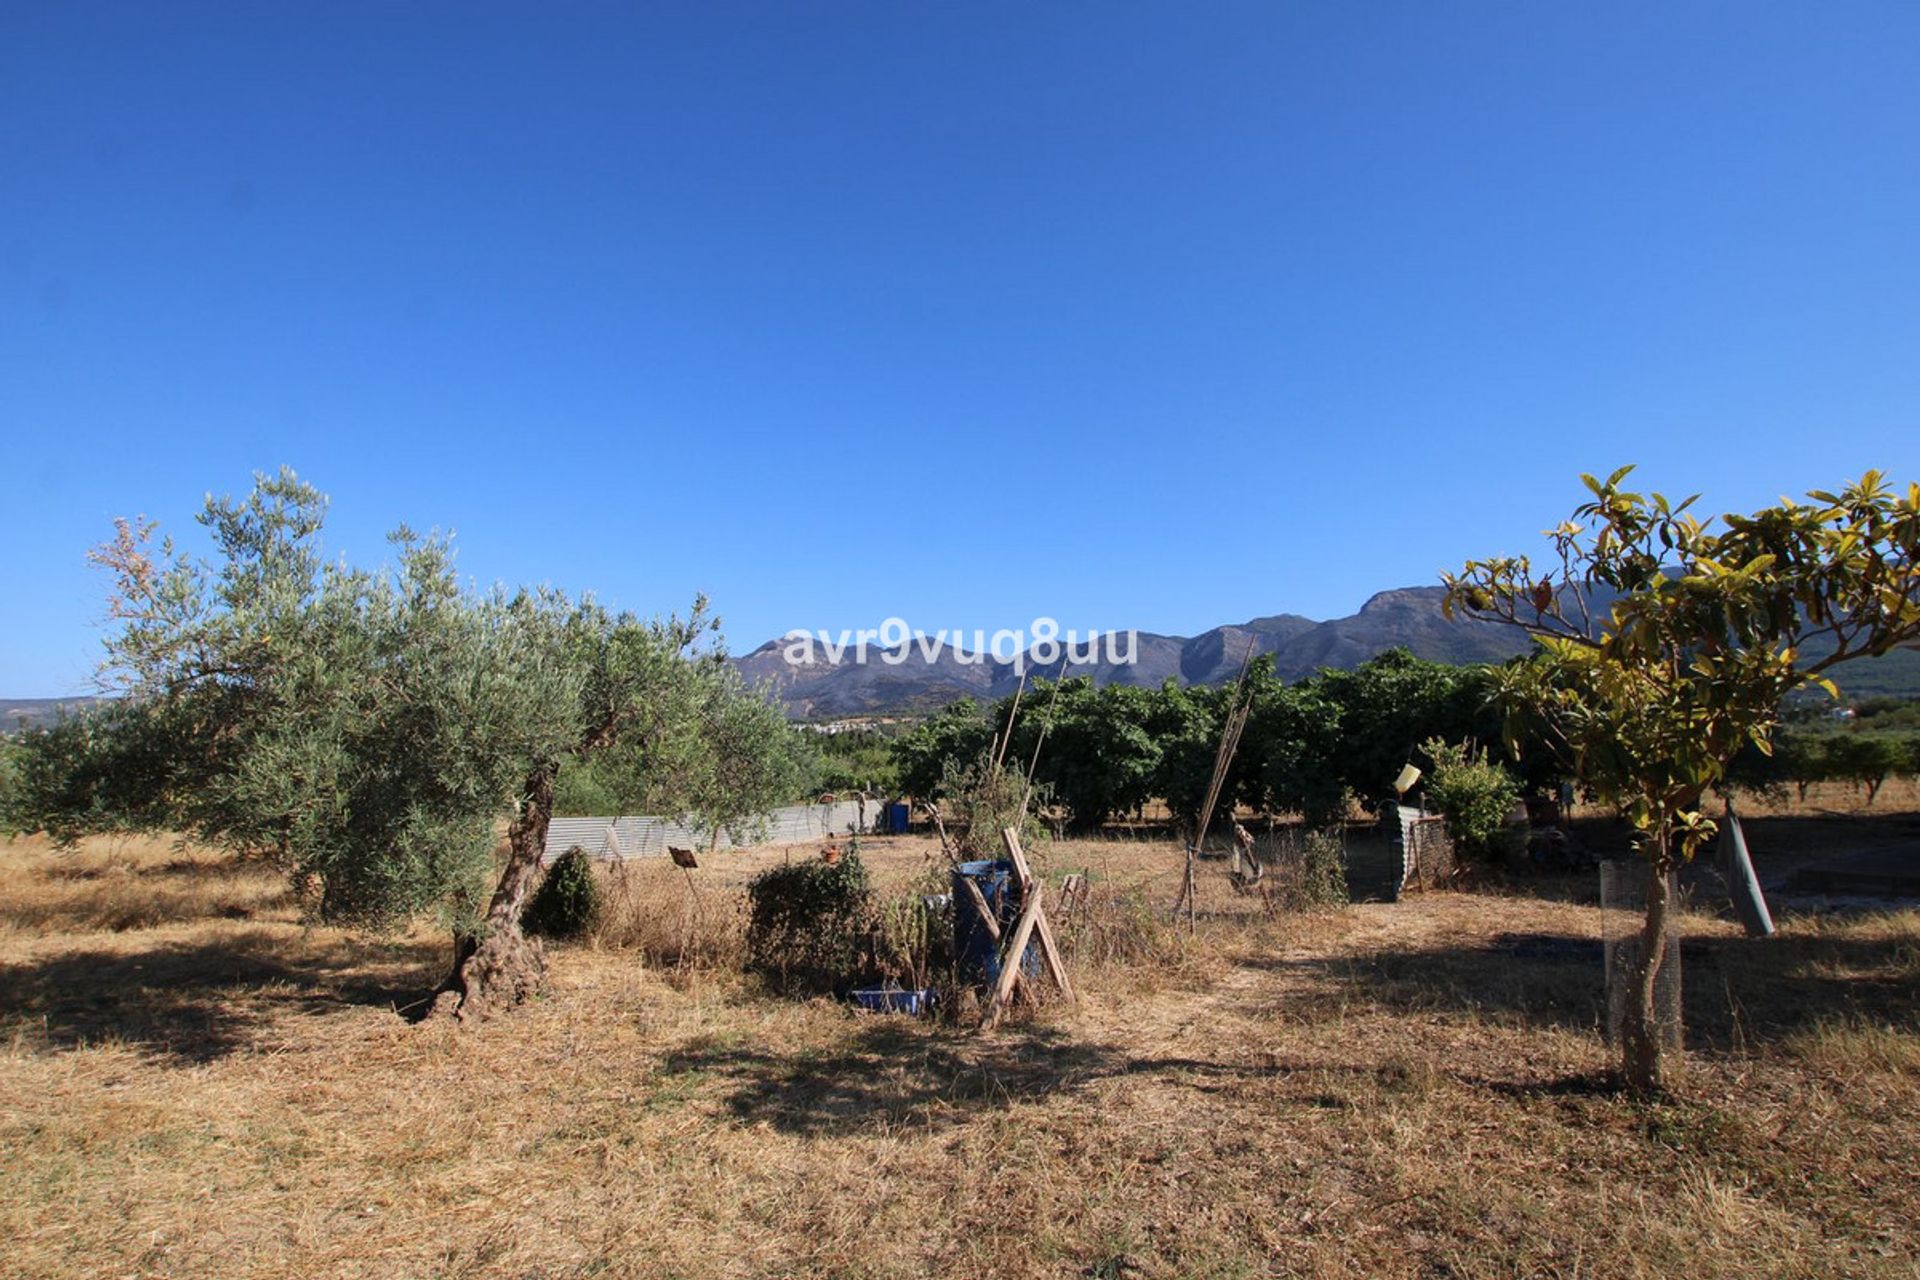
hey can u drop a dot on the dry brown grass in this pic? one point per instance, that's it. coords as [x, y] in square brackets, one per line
[1897, 795]
[1409, 1090]
[131, 883]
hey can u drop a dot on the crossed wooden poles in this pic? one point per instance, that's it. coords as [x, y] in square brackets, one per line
[1031, 922]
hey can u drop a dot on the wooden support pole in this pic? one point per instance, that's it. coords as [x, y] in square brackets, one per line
[1049, 948]
[981, 909]
[992, 926]
[1010, 957]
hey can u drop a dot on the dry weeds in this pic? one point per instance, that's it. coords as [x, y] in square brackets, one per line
[205, 1087]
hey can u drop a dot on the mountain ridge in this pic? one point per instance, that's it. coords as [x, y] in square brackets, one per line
[1399, 617]
[1408, 617]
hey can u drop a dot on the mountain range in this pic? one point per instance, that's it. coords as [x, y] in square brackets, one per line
[1408, 617]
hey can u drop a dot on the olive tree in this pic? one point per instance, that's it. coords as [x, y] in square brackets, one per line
[370, 729]
[1708, 628]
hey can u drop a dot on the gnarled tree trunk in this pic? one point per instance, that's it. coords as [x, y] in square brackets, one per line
[498, 966]
[1641, 1050]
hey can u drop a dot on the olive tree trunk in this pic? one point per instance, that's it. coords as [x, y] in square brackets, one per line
[1641, 1034]
[498, 966]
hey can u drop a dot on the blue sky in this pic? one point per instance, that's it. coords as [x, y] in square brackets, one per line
[1130, 315]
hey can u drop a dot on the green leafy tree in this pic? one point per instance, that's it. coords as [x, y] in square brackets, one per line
[1769, 773]
[1475, 795]
[1315, 746]
[587, 789]
[1295, 735]
[1866, 760]
[1801, 759]
[1188, 723]
[1098, 756]
[1706, 633]
[1185, 724]
[101, 770]
[855, 760]
[955, 734]
[369, 729]
[750, 760]
[1387, 706]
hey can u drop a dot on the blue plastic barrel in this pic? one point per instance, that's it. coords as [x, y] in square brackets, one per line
[975, 952]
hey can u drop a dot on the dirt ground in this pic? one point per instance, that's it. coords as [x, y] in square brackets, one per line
[192, 1083]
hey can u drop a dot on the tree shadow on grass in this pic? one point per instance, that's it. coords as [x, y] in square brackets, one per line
[1780, 844]
[1735, 990]
[890, 1075]
[191, 1003]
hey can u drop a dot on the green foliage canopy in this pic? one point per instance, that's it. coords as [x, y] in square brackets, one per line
[1651, 702]
[1705, 637]
[370, 728]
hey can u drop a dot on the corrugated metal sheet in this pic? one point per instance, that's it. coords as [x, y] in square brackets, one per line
[648, 837]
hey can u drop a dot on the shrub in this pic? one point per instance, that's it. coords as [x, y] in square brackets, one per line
[1119, 926]
[1475, 795]
[982, 801]
[1306, 868]
[1865, 760]
[1324, 857]
[568, 901]
[914, 936]
[808, 923]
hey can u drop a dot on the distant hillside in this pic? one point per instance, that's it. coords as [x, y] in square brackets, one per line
[1408, 617]
[16, 712]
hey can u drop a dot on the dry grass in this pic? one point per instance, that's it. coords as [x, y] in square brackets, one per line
[131, 883]
[1897, 795]
[1409, 1090]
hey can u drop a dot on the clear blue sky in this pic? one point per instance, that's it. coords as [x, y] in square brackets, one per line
[1148, 315]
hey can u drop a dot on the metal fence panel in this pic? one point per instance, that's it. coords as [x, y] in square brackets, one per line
[624, 837]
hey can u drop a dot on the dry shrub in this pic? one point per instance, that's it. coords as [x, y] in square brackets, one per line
[1118, 926]
[1305, 870]
[809, 922]
[983, 800]
[913, 938]
[668, 916]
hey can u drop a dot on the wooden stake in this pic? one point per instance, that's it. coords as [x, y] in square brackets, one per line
[1011, 956]
[940, 825]
[1000, 747]
[1049, 949]
[1033, 765]
[1230, 729]
[992, 926]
